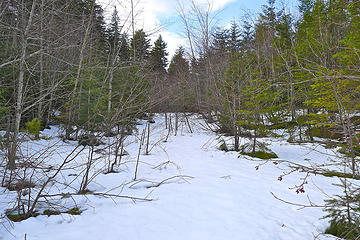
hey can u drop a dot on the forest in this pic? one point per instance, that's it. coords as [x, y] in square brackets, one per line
[277, 75]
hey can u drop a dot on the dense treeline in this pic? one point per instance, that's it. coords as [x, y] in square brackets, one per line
[60, 63]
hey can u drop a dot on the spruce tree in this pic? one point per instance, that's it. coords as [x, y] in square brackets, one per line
[140, 45]
[220, 41]
[113, 32]
[234, 41]
[124, 51]
[179, 65]
[158, 56]
[247, 36]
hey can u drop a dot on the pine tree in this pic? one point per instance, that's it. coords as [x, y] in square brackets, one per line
[178, 77]
[140, 45]
[234, 41]
[247, 36]
[124, 51]
[179, 66]
[113, 32]
[158, 56]
[220, 41]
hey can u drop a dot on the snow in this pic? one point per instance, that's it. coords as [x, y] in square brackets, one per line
[223, 196]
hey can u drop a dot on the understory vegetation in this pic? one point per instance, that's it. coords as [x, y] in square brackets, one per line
[273, 75]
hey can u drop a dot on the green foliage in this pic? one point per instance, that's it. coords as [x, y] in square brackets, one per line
[261, 155]
[179, 66]
[348, 151]
[19, 217]
[158, 56]
[139, 46]
[324, 132]
[34, 127]
[49, 212]
[223, 146]
[339, 175]
[74, 211]
[283, 125]
[132, 96]
[3, 110]
[342, 229]
[257, 150]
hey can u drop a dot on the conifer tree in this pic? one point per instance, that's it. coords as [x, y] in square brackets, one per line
[140, 45]
[158, 56]
[114, 34]
[234, 41]
[179, 65]
[220, 41]
[247, 36]
[124, 51]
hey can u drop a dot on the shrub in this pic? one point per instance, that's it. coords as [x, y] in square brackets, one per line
[260, 150]
[343, 229]
[33, 127]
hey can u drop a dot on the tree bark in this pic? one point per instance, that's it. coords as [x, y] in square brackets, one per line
[20, 87]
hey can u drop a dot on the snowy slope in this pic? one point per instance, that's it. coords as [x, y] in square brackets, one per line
[227, 198]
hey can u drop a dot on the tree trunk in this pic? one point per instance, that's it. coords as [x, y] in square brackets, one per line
[19, 99]
[77, 79]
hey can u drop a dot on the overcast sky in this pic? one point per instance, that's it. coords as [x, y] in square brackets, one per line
[161, 16]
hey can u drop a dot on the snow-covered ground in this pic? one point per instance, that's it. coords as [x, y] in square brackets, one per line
[220, 196]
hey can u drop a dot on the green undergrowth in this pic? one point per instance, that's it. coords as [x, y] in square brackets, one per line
[261, 150]
[323, 132]
[283, 125]
[261, 154]
[47, 212]
[342, 229]
[340, 175]
[345, 150]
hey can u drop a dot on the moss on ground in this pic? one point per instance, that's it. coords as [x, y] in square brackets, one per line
[261, 154]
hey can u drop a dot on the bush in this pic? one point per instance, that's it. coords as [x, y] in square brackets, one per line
[323, 132]
[260, 151]
[345, 150]
[343, 229]
[283, 125]
[33, 127]
[344, 212]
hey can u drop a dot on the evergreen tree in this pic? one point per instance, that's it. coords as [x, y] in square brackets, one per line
[220, 41]
[124, 52]
[247, 36]
[234, 41]
[179, 66]
[158, 56]
[179, 77]
[113, 32]
[140, 45]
